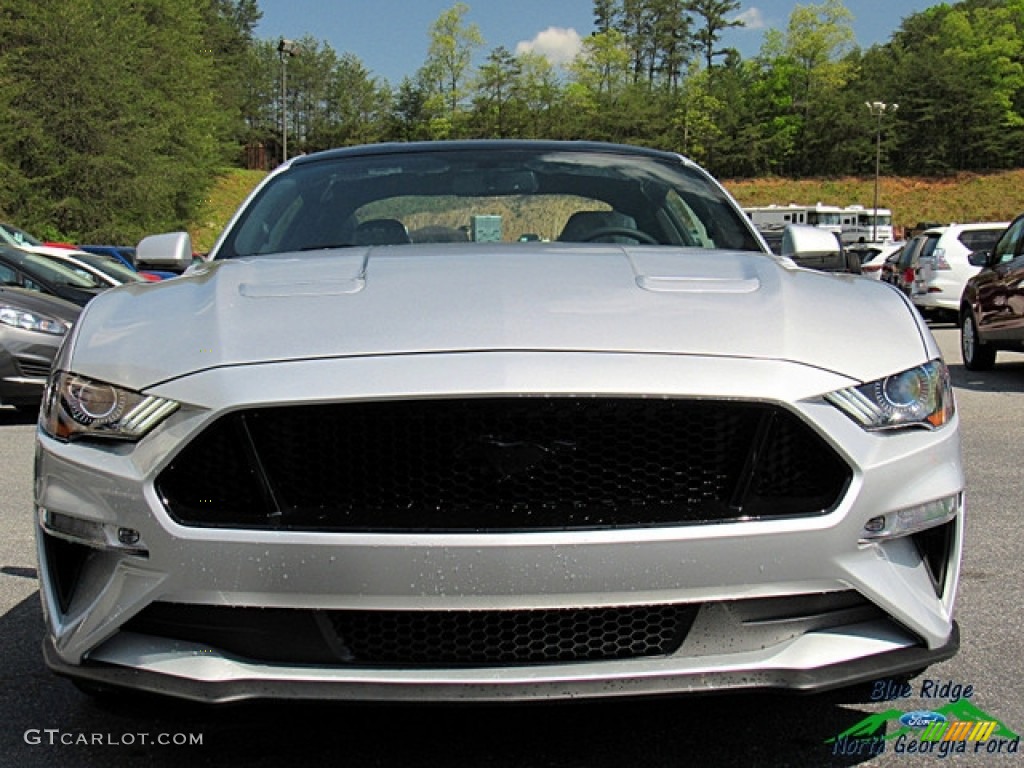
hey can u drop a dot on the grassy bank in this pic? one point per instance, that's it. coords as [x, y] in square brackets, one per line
[961, 198]
[965, 197]
[227, 193]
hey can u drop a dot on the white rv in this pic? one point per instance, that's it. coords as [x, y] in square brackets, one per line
[775, 217]
[866, 225]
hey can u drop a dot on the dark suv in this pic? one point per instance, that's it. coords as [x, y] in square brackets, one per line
[992, 306]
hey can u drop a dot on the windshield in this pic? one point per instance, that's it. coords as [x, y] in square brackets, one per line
[477, 195]
[17, 237]
[881, 220]
[824, 219]
[110, 266]
[53, 272]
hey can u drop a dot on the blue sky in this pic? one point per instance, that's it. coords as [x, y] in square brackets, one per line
[391, 37]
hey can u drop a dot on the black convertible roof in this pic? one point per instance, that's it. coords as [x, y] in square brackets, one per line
[484, 145]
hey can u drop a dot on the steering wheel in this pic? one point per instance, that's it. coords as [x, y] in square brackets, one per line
[635, 234]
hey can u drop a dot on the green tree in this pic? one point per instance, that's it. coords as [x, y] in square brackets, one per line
[713, 21]
[349, 106]
[603, 66]
[655, 32]
[228, 27]
[671, 42]
[543, 97]
[410, 112]
[961, 87]
[818, 37]
[805, 67]
[450, 57]
[499, 95]
[606, 15]
[102, 144]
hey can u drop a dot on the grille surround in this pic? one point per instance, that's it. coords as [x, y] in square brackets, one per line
[31, 368]
[502, 464]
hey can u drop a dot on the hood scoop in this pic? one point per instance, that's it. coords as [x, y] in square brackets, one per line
[325, 274]
[699, 272]
[658, 284]
[301, 288]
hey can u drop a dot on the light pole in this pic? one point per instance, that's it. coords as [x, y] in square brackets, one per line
[878, 108]
[285, 49]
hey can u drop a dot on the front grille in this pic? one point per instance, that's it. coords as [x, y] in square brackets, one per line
[502, 464]
[424, 638]
[34, 369]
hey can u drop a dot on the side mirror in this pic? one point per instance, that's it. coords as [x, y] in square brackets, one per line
[814, 247]
[171, 251]
[979, 258]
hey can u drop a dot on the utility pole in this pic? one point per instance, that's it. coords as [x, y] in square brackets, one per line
[878, 108]
[285, 49]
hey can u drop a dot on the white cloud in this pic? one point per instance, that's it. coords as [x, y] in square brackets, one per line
[558, 45]
[752, 18]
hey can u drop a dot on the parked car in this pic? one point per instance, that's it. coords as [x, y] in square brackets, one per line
[943, 269]
[32, 327]
[639, 454]
[19, 238]
[40, 273]
[104, 271]
[992, 306]
[898, 269]
[126, 255]
[16, 237]
[773, 237]
[873, 256]
[890, 267]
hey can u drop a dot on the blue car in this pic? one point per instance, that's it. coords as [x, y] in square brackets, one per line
[126, 255]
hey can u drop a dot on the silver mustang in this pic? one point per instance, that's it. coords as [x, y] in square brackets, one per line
[493, 421]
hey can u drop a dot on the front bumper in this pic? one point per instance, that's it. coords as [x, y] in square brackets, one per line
[139, 665]
[938, 294]
[24, 367]
[713, 566]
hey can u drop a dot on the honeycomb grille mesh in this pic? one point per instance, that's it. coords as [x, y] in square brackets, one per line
[528, 463]
[33, 368]
[423, 639]
[511, 637]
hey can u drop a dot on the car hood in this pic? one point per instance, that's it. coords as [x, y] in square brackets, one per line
[423, 299]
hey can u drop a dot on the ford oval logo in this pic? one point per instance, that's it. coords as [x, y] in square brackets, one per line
[921, 718]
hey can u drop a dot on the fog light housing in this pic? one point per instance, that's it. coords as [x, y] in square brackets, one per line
[905, 522]
[92, 533]
[875, 525]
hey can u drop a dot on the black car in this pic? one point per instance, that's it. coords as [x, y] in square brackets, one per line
[32, 326]
[22, 269]
[992, 307]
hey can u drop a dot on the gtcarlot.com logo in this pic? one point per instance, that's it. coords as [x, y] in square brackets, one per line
[53, 737]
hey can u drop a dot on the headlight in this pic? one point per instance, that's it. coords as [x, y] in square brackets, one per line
[919, 397]
[75, 406]
[31, 321]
